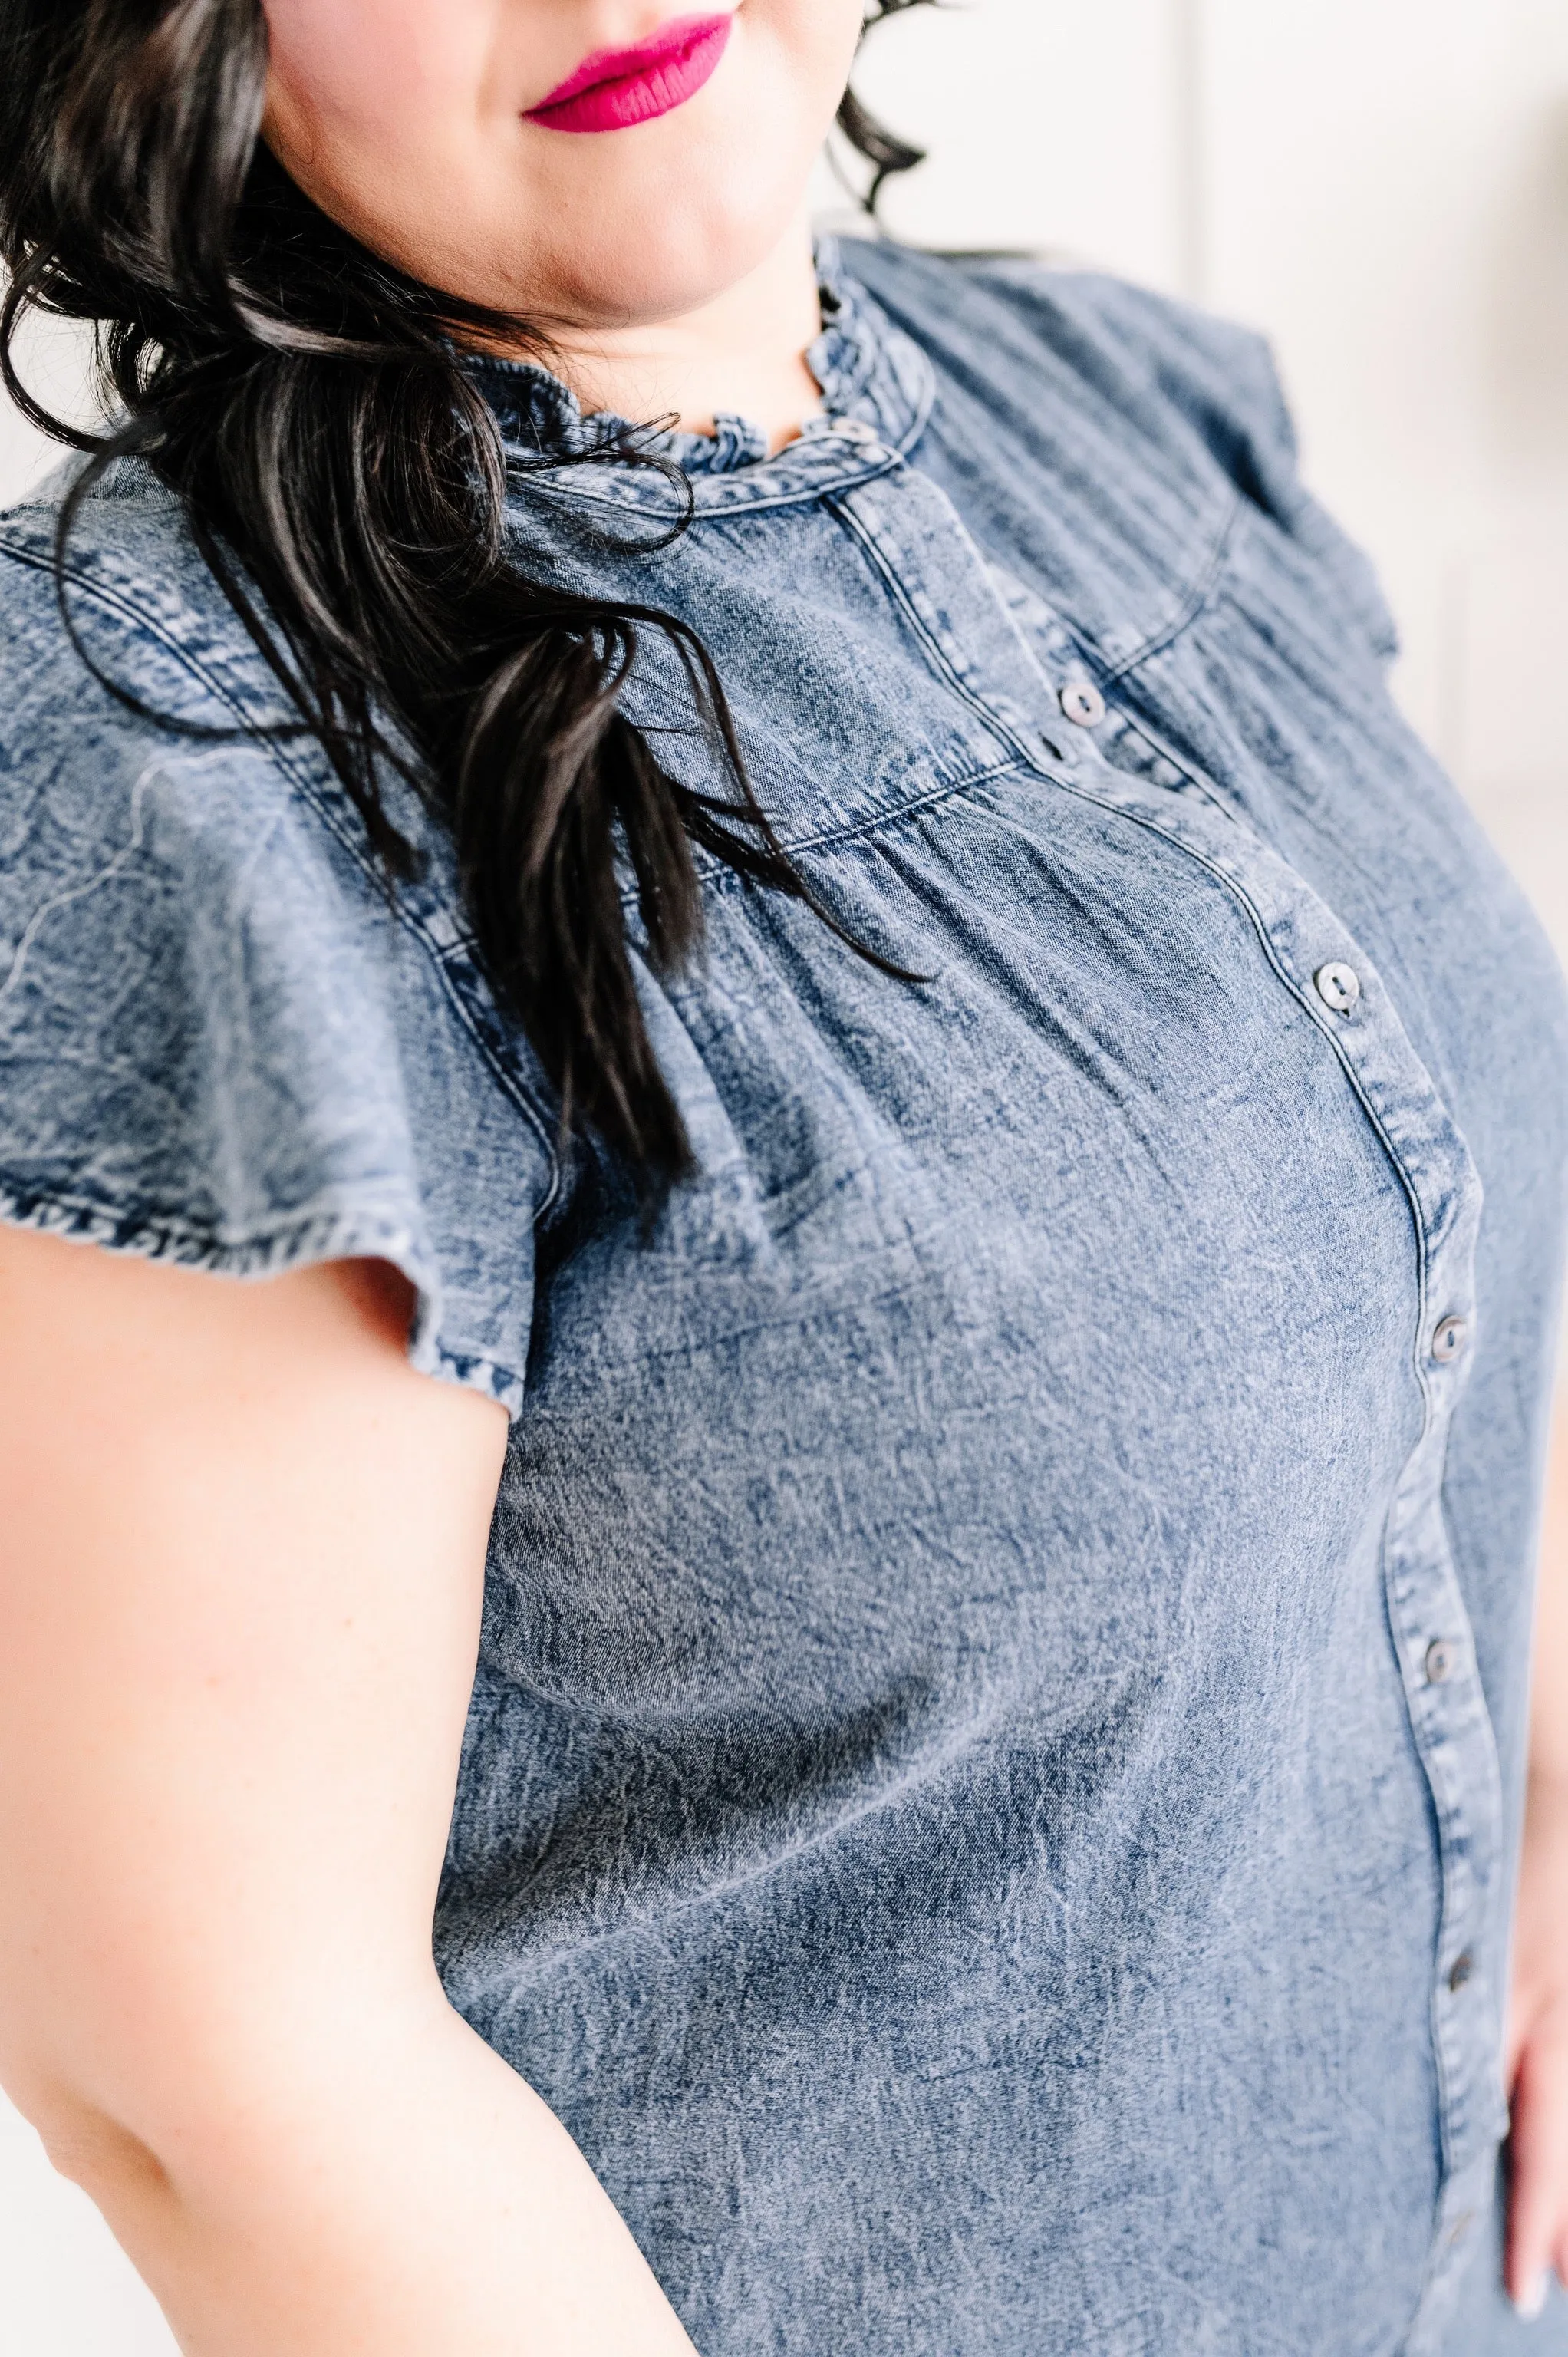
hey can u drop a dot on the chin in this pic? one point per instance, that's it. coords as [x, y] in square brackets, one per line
[660, 265]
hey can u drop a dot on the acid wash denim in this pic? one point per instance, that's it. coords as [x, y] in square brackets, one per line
[991, 1796]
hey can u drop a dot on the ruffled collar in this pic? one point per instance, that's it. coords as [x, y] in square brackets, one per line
[872, 381]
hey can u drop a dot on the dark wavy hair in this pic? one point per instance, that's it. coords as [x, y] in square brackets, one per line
[346, 483]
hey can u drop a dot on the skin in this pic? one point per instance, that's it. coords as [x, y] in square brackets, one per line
[244, 1543]
[238, 1616]
[670, 265]
[1536, 2050]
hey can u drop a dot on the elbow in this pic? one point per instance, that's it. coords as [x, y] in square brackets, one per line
[194, 2098]
[75, 2060]
[114, 2097]
[82, 2141]
[107, 2160]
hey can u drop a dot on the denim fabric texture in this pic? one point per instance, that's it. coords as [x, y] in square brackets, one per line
[991, 1789]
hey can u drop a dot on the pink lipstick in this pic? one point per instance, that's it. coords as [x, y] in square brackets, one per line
[614, 88]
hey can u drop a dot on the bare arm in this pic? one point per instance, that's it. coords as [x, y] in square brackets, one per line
[240, 1584]
[1537, 2057]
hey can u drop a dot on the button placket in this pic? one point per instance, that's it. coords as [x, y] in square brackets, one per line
[1454, 1737]
[1334, 978]
[1439, 1661]
[895, 516]
[1336, 985]
[1057, 662]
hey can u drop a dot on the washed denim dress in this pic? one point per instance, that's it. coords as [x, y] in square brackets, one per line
[992, 1783]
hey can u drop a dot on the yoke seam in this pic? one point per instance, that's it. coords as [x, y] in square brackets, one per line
[1185, 613]
[719, 874]
[938, 654]
[1297, 991]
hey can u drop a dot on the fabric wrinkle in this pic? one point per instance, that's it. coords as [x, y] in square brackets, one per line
[953, 1815]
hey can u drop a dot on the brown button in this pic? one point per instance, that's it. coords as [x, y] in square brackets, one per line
[1460, 1970]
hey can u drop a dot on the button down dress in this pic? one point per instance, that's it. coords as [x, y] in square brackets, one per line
[992, 1788]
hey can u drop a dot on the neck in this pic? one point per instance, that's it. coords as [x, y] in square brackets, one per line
[743, 353]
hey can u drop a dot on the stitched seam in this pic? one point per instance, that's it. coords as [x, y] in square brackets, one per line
[1189, 609]
[806, 495]
[55, 1211]
[378, 1235]
[721, 876]
[937, 652]
[1197, 779]
[1244, 898]
[389, 1224]
[883, 821]
[350, 838]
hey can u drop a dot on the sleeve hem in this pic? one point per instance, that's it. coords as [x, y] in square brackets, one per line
[300, 1240]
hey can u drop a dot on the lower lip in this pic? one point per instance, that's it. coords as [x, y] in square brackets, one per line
[647, 90]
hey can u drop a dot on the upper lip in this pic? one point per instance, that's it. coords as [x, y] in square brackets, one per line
[621, 65]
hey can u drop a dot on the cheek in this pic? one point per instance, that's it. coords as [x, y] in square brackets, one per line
[819, 36]
[403, 119]
[387, 72]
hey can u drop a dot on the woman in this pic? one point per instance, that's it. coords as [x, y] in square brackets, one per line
[866, 1088]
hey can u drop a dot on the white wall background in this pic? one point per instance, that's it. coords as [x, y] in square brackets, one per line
[1383, 186]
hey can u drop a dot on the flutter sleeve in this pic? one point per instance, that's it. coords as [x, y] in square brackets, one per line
[1224, 381]
[221, 1042]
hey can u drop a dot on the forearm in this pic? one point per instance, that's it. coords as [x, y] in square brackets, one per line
[1549, 1705]
[1535, 2064]
[241, 1588]
[381, 2183]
